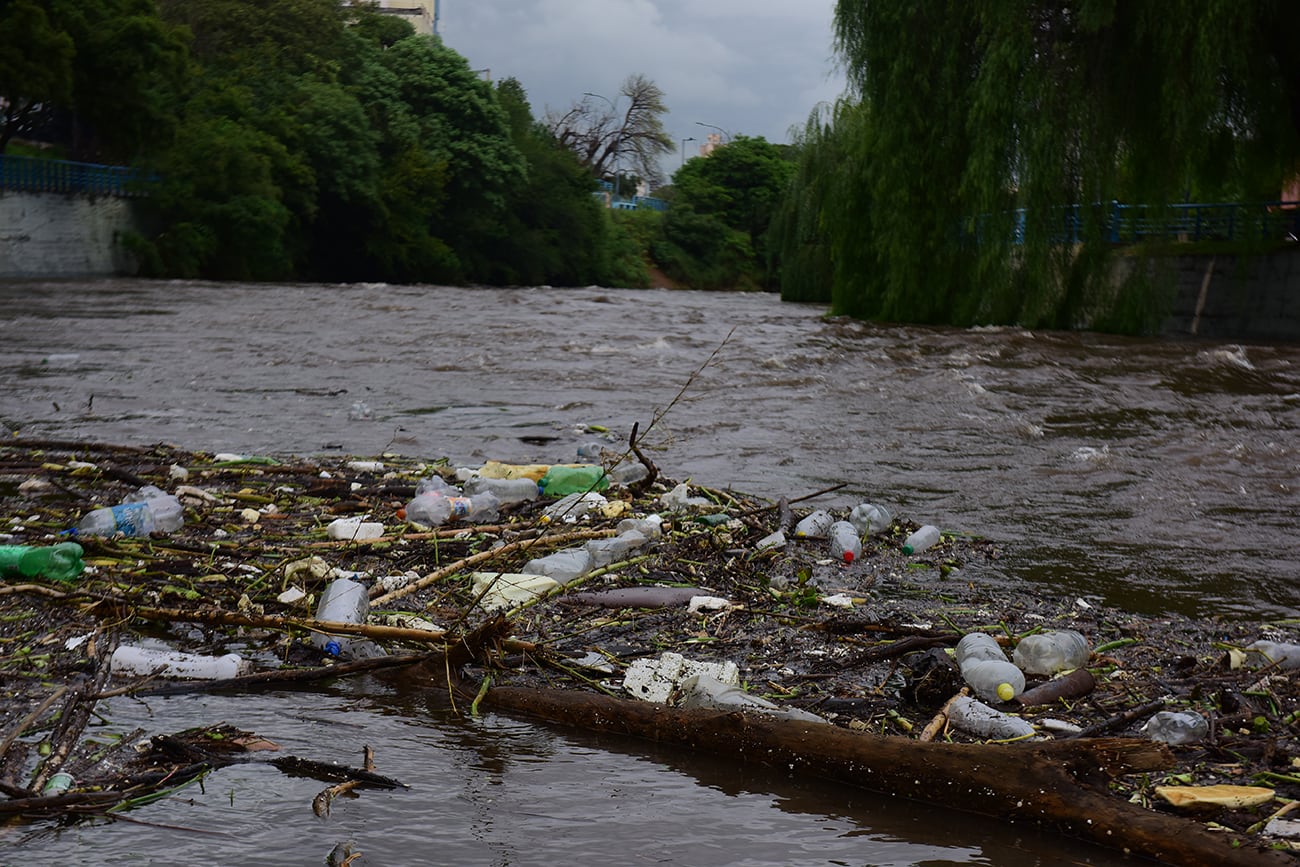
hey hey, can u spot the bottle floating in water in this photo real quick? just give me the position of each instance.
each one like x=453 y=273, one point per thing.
x=817 y=525
x=345 y=601
x=986 y=670
x=870 y=518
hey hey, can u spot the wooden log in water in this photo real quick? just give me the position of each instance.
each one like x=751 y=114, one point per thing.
x=1057 y=785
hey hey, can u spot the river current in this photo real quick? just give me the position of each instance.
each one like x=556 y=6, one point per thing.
x=1152 y=474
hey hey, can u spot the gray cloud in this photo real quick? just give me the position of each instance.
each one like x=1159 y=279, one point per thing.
x=752 y=67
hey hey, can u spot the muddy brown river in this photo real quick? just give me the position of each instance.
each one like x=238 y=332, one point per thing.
x=1151 y=474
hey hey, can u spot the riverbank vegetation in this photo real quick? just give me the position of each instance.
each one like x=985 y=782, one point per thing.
x=313 y=140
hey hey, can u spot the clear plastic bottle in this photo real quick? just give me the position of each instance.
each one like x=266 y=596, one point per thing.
x=651 y=526
x=563 y=566
x=922 y=539
x=1264 y=652
x=870 y=518
x=1177 y=727
x=591 y=451
x=148 y=510
x=507 y=491
x=571 y=507
x=436 y=485
x=606 y=551
x=979 y=719
x=1050 y=652
x=845 y=542
x=345 y=601
x=817 y=524
x=628 y=473
x=560 y=481
x=61 y=562
x=986 y=670
x=434 y=509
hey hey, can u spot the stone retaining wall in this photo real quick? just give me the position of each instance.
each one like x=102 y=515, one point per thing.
x=59 y=235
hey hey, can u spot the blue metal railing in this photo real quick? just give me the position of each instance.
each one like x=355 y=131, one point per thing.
x=31 y=174
x=1185 y=222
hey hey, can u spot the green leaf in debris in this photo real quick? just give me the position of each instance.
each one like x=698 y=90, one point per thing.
x=183 y=592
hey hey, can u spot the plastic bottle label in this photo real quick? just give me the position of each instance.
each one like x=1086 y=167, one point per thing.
x=132 y=518
x=460 y=507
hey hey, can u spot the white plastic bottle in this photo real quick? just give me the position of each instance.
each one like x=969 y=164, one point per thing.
x=606 y=551
x=845 y=543
x=129 y=659
x=922 y=539
x=627 y=473
x=507 y=491
x=651 y=526
x=817 y=524
x=1049 y=652
x=870 y=518
x=345 y=601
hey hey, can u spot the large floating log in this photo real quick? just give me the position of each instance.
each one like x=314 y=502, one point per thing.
x=1058 y=786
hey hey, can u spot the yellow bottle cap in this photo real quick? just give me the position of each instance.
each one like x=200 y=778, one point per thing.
x=1006 y=691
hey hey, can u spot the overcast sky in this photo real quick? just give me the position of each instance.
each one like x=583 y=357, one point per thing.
x=752 y=67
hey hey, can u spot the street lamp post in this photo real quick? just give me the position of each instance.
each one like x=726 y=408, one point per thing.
x=614 y=108
x=684 y=141
x=718 y=128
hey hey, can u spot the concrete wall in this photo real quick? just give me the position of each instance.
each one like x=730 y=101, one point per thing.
x=57 y=235
x=1245 y=297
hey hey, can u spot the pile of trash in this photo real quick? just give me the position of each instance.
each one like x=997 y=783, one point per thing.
x=135 y=569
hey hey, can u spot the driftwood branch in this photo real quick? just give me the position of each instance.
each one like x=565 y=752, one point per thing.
x=1058 y=785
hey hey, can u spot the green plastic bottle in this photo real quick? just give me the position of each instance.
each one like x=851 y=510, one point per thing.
x=61 y=562
x=562 y=481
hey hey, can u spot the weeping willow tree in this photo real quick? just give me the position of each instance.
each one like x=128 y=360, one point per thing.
x=975 y=123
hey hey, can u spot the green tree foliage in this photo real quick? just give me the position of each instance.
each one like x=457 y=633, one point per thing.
x=108 y=68
x=977 y=108
x=715 y=234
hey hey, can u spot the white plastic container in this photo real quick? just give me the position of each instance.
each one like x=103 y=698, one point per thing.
x=354 y=530
x=704 y=691
x=870 y=518
x=651 y=526
x=922 y=539
x=846 y=545
x=571 y=507
x=130 y=659
x=817 y=525
x=1047 y=653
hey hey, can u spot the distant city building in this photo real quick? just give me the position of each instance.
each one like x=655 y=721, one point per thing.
x=712 y=142
x=423 y=14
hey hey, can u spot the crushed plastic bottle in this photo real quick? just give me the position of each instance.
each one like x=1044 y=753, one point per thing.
x=704 y=691
x=571 y=507
x=817 y=524
x=651 y=526
x=61 y=562
x=345 y=601
x=628 y=473
x=986 y=670
x=1177 y=727
x=983 y=721
x=870 y=518
x=845 y=543
x=561 y=480
x=1050 y=652
x=922 y=539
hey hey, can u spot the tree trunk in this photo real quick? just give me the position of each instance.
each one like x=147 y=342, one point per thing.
x=1057 y=785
